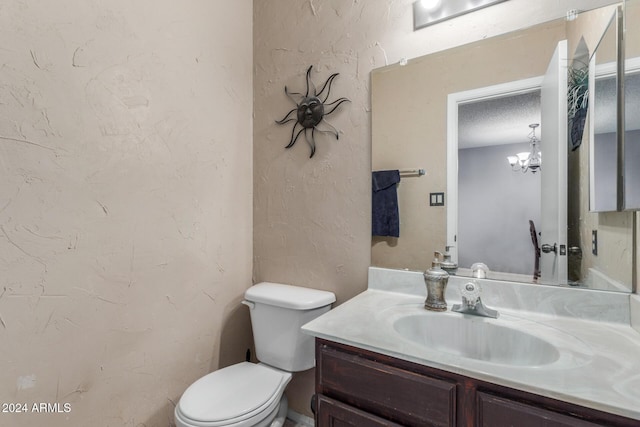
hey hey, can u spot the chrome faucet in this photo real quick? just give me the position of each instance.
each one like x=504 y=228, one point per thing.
x=471 y=302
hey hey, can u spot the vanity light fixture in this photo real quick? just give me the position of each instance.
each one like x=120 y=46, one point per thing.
x=530 y=160
x=430 y=5
x=427 y=12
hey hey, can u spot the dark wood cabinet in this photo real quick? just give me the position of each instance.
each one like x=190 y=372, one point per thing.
x=355 y=387
x=397 y=394
x=336 y=414
x=502 y=411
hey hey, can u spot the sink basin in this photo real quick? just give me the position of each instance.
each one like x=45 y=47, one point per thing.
x=479 y=338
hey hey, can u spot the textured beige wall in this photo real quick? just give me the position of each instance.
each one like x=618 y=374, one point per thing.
x=125 y=204
x=312 y=221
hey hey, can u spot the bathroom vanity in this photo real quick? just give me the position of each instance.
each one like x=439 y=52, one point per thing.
x=572 y=362
x=363 y=388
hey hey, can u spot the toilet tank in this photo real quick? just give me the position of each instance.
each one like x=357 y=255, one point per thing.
x=277 y=313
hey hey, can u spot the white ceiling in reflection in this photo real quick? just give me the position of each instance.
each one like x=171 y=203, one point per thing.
x=506 y=120
x=632 y=96
x=605 y=113
x=605 y=101
x=497 y=121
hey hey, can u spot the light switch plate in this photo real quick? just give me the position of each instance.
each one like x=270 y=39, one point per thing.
x=436 y=199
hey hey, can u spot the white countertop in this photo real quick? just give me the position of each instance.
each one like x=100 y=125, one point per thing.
x=600 y=366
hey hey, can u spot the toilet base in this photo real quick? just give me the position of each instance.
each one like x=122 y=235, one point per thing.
x=276 y=418
x=281 y=416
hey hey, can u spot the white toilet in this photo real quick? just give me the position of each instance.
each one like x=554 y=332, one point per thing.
x=252 y=394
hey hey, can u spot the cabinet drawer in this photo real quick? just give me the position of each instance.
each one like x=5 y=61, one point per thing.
x=499 y=411
x=332 y=413
x=391 y=392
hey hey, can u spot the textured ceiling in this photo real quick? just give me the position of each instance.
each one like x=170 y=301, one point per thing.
x=497 y=121
x=506 y=120
x=632 y=101
x=605 y=119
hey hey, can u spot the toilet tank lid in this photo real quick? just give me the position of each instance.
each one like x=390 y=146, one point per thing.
x=288 y=296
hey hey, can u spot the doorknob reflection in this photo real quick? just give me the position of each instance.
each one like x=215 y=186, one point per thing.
x=547 y=248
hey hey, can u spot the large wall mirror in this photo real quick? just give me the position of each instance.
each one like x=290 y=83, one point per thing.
x=498 y=95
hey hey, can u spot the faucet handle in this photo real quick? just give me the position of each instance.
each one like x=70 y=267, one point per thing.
x=470 y=292
x=471 y=303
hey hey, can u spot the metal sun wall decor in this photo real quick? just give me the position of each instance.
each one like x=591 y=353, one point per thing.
x=310 y=111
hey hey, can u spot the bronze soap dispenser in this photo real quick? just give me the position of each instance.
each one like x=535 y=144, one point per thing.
x=436 y=280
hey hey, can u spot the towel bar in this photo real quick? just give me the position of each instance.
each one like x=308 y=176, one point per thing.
x=418 y=172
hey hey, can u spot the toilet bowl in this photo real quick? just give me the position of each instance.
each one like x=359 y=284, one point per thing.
x=241 y=395
x=252 y=394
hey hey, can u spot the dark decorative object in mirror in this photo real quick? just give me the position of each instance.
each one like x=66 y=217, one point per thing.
x=577 y=103
x=310 y=111
x=536 y=248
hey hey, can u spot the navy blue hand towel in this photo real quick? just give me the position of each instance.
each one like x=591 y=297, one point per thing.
x=385 y=219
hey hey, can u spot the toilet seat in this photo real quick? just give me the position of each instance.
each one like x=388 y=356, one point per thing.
x=238 y=395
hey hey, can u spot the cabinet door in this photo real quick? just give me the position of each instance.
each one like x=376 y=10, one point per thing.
x=495 y=411
x=332 y=413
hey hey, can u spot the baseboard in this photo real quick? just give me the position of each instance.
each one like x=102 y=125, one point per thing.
x=299 y=419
